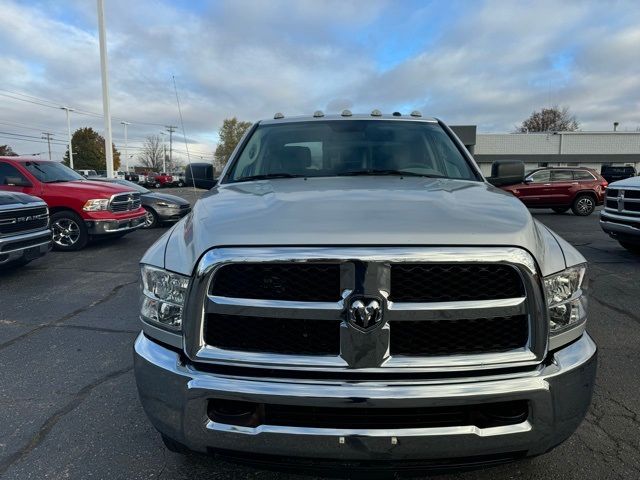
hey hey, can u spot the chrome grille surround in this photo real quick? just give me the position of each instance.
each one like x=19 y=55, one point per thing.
x=368 y=352
x=125 y=202
x=626 y=201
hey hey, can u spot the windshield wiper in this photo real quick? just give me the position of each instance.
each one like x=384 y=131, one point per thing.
x=267 y=176
x=391 y=172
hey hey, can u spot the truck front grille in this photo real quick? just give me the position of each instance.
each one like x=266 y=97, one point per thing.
x=126 y=202
x=301 y=313
x=453 y=282
x=273 y=335
x=23 y=220
x=458 y=337
x=302 y=282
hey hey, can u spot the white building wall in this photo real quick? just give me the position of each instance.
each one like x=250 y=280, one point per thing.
x=516 y=143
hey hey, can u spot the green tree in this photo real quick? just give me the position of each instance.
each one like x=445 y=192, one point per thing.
x=88 y=151
x=7 y=151
x=553 y=119
x=230 y=134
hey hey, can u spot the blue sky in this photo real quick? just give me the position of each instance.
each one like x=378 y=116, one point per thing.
x=488 y=63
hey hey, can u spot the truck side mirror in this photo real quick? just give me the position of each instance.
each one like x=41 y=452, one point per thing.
x=17 y=182
x=506 y=172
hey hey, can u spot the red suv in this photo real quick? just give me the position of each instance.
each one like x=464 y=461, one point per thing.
x=79 y=208
x=561 y=189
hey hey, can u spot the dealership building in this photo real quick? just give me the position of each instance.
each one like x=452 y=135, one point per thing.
x=561 y=149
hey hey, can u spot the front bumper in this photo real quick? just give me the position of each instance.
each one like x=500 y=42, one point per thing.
x=26 y=246
x=621 y=227
x=175 y=396
x=109 y=226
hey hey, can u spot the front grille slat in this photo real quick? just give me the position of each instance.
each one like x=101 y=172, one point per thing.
x=454 y=282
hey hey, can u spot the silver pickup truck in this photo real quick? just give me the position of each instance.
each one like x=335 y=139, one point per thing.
x=354 y=291
x=620 y=217
x=24 y=229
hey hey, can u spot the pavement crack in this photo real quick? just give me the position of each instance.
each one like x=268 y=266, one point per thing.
x=51 y=422
x=112 y=293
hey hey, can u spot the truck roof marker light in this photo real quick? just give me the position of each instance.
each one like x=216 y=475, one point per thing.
x=318 y=114
x=416 y=113
x=346 y=113
x=396 y=114
x=278 y=116
x=376 y=113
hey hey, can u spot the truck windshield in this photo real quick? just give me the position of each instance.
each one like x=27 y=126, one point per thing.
x=349 y=148
x=52 y=172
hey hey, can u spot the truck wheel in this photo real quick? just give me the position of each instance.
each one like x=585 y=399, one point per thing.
x=151 y=219
x=157 y=184
x=632 y=247
x=69 y=231
x=180 y=183
x=583 y=205
x=173 y=446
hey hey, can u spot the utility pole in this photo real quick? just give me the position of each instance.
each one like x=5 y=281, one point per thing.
x=47 y=136
x=126 y=151
x=170 y=129
x=108 y=138
x=67 y=109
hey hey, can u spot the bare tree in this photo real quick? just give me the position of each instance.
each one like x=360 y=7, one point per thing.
x=152 y=152
x=553 y=119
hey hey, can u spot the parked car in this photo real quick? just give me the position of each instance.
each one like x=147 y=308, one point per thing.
x=80 y=209
x=160 y=207
x=620 y=217
x=561 y=189
x=159 y=180
x=200 y=175
x=24 y=225
x=354 y=290
x=132 y=176
x=87 y=173
x=613 y=173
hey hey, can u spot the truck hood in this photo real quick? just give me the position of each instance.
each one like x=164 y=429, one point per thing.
x=17 y=198
x=626 y=183
x=88 y=189
x=356 y=211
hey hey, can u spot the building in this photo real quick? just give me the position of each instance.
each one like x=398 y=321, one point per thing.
x=585 y=149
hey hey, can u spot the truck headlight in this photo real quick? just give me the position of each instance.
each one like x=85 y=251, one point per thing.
x=96 y=205
x=566 y=299
x=163 y=296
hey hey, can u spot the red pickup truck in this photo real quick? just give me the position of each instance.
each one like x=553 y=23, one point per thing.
x=80 y=209
x=159 y=180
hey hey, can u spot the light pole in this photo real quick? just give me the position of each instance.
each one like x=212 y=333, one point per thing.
x=126 y=156
x=108 y=138
x=67 y=109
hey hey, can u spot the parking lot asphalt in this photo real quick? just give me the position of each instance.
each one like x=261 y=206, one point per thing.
x=69 y=406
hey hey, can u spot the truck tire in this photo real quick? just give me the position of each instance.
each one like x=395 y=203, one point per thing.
x=173 y=446
x=583 y=205
x=157 y=184
x=180 y=183
x=560 y=209
x=69 y=233
x=632 y=247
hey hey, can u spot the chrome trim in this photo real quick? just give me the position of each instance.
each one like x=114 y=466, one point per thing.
x=199 y=303
x=562 y=338
x=138 y=200
x=457 y=310
x=122 y=229
x=622 y=200
x=404 y=432
x=170 y=338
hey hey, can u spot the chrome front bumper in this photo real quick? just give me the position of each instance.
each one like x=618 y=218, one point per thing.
x=175 y=396
x=106 y=227
x=27 y=245
x=621 y=227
